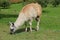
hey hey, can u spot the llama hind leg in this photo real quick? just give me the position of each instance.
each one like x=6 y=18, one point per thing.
x=30 y=23
x=26 y=29
x=38 y=21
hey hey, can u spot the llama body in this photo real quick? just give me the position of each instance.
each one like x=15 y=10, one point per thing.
x=29 y=12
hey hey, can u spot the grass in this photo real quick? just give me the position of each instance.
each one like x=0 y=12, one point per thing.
x=49 y=26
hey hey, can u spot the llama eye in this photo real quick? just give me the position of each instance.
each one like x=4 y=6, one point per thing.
x=11 y=29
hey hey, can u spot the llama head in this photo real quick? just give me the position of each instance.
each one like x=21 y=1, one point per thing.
x=12 y=28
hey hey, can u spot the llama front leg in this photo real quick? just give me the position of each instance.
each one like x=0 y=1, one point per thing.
x=25 y=26
x=38 y=24
x=30 y=23
x=38 y=21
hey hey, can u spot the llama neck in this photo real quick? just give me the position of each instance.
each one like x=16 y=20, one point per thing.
x=20 y=20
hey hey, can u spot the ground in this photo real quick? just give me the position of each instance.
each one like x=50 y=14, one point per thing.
x=49 y=25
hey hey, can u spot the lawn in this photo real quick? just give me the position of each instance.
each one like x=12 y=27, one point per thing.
x=49 y=25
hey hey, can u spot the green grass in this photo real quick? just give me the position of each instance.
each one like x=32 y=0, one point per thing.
x=49 y=25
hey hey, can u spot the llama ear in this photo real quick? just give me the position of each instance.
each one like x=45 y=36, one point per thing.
x=13 y=24
x=10 y=22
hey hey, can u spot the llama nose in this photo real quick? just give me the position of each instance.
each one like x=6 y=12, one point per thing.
x=12 y=32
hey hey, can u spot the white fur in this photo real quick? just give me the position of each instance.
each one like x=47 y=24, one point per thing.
x=20 y=20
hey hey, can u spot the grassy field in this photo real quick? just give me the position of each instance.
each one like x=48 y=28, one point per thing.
x=49 y=26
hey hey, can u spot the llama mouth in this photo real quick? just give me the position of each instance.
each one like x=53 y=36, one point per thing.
x=12 y=32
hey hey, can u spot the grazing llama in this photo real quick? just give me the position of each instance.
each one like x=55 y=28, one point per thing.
x=28 y=13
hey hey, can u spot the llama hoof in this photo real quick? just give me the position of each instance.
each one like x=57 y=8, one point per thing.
x=25 y=31
x=30 y=30
x=37 y=29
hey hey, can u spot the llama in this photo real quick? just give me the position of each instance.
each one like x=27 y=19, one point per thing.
x=28 y=13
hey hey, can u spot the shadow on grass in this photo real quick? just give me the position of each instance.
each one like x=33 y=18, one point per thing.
x=44 y=11
x=7 y=16
x=23 y=30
